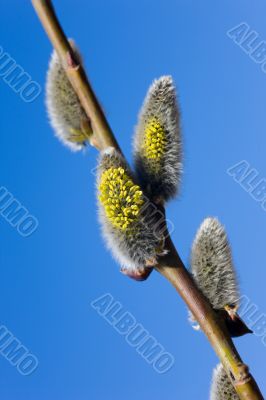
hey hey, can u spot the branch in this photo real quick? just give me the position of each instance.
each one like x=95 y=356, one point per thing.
x=173 y=269
x=170 y=266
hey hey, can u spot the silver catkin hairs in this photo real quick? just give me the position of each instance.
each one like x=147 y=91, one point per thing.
x=222 y=388
x=126 y=216
x=66 y=115
x=157 y=142
x=212 y=265
x=213 y=271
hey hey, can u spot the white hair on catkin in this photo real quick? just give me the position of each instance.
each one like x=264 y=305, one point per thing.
x=126 y=218
x=63 y=106
x=222 y=388
x=157 y=141
x=212 y=265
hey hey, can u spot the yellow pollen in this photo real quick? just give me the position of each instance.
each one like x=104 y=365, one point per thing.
x=154 y=140
x=120 y=197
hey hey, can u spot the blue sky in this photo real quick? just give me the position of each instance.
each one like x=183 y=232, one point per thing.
x=49 y=279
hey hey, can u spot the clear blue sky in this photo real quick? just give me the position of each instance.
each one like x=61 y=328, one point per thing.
x=49 y=279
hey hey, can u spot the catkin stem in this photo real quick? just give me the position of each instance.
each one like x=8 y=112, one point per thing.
x=171 y=266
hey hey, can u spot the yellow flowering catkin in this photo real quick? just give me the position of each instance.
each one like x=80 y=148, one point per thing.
x=154 y=142
x=128 y=219
x=120 y=197
x=157 y=142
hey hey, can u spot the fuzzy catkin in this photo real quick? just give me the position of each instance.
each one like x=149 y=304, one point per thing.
x=157 y=142
x=65 y=112
x=127 y=218
x=222 y=388
x=212 y=265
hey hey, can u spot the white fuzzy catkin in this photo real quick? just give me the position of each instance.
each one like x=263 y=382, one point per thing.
x=212 y=265
x=157 y=141
x=64 y=109
x=222 y=388
x=127 y=218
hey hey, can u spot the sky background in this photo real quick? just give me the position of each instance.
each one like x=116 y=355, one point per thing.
x=49 y=279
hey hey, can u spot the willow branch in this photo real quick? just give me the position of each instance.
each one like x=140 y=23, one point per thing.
x=171 y=266
x=173 y=269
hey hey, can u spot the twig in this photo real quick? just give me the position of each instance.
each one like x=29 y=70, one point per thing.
x=173 y=269
x=171 y=266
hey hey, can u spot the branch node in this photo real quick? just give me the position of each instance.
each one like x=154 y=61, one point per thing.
x=244 y=375
x=71 y=61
